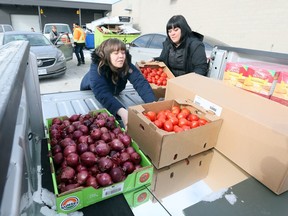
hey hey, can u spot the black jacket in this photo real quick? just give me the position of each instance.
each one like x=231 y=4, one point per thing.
x=195 y=59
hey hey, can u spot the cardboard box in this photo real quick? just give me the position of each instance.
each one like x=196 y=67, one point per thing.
x=254 y=133
x=165 y=148
x=80 y=197
x=159 y=91
x=182 y=174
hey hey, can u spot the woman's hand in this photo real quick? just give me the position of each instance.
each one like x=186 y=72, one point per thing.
x=123 y=113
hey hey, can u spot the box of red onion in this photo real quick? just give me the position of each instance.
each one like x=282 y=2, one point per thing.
x=92 y=159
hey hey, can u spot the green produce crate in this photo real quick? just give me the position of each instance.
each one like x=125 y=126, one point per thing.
x=80 y=197
x=138 y=196
x=99 y=37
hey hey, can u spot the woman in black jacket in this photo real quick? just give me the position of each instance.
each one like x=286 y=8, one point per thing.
x=183 y=50
x=110 y=70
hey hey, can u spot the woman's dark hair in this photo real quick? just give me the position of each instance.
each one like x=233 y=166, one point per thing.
x=179 y=21
x=104 y=50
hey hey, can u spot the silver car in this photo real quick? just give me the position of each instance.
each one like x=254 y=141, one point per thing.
x=147 y=46
x=51 y=61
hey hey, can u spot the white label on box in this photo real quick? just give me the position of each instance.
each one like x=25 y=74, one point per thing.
x=114 y=189
x=42 y=71
x=208 y=105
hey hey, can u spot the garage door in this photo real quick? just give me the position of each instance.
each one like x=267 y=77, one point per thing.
x=25 y=22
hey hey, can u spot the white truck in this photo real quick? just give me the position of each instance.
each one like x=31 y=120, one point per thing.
x=25 y=175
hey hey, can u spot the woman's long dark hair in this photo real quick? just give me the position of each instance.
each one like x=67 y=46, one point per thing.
x=179 y=21
x=104 y=50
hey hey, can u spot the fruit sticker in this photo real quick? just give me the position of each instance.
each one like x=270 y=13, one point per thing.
x=69 y=203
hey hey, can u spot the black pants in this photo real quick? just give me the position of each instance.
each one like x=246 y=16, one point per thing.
x=79 y=52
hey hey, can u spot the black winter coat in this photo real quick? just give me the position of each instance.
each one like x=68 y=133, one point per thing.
x=195 y=59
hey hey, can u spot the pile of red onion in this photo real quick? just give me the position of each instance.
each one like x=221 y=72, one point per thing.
x=91 y=150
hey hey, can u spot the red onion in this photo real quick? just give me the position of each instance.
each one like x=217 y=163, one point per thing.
x=76 y=124
x=96 y=134
x=58 y=158
x=74 y=118
x=88 y=158
x=106 y=137
x=92 y=148
x=124 y=156
x=130 y=150
x=80 y=168
x=117 y=174
x=104 y=179
x=66 y=122
x=83 y=139
x=105 y=164
x=110 y=125
x=128 y=167
x=104 y=129
x=67 y=141
x=102 y=149
x=82 y=147
x=83 y=128
x=69 y=149
x=77 y=134
x=91 y=181
x=67 y=173
x=56 y=149
x=69 y=187
x=55 y=134
x=54 y=126
x=125 y=139
x=94 y=170
x=100 y=122
x=72 y=159
x=70 y=129
x=87 y=122
x=82 y=177
x=117 y=130
x=135 y=158
x=90 y=140
x=56 y=121
x=53 y=141
x=117 y=145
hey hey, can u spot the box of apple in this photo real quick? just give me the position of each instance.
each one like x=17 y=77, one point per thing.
x=157 y=74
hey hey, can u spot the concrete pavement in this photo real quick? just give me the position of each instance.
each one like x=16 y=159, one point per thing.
x=70 y=81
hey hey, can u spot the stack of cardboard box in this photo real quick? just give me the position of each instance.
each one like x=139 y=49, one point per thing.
x=254 y=132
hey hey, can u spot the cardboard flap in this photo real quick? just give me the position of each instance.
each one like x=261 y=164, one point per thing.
x=155 y=63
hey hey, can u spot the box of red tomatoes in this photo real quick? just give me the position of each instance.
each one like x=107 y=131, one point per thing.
x=92 y=159
x=172 y=130
x=157 y=74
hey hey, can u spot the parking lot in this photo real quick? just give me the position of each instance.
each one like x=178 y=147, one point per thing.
x=71 y=80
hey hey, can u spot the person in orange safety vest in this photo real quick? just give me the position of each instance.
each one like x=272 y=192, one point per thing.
x=79 y=37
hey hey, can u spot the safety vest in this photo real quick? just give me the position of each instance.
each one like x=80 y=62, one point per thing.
x=79 y=35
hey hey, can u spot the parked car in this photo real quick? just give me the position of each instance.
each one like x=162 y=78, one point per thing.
x=147 y=46
x=5 y=28
x=51 y=60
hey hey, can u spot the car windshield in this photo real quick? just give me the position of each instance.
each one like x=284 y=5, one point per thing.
x=60 y=29
x=34 y=39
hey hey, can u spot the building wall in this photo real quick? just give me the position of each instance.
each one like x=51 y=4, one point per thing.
x=258 y=24
x=50 y=14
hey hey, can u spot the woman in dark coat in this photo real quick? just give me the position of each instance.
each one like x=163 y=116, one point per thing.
x=109 y=72
x=183 y=50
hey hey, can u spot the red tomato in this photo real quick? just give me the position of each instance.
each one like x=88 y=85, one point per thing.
x=182 y=115
x=177 y=129
x=193 y=117
x=185 y=111
x=158 y=123
x=175 y=109
x=185 y=127
x=151 y=115
x=194 y=124
x=183 y=121
x=202 y=121
x=168 y=126
x=161 y=114
x=174 y=120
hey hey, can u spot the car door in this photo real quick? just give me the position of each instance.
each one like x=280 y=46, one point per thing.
x=146 y=47
x=64 y=43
